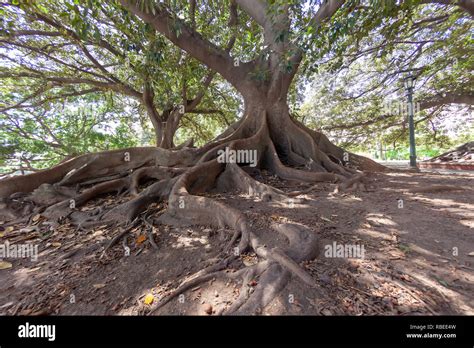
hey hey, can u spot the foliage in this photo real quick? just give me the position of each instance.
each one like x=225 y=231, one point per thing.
x=53 y=50
x=38 y=139
x=358 y=98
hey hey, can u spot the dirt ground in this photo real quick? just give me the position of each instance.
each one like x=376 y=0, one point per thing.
x=416 y=241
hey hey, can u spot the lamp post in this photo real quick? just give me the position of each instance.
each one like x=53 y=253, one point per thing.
x=411 y=125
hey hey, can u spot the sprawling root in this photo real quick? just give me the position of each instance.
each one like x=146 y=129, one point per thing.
x=181 y=177
x=153 y=172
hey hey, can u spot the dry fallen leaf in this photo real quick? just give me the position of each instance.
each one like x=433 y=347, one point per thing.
x=2 y=234
x=9 y=229
x=471 y=253
x=56 y=244
x=253 y=283
x=141 y=238
x=326 y=312
x=5 y=265
x=36 y=217
x=33 y=269
x=98 y=286
x=149 y=299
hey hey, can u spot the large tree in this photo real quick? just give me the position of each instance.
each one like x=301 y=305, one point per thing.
x=257 y=46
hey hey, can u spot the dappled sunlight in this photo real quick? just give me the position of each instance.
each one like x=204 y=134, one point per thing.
x=376 y=234
x=467 y=223
x=344 y=199
x=406 y=265
x=225 y=157
x=450 y=205
x=379 y=219
x=188 y=242
x=417 y=249
x=464 y=303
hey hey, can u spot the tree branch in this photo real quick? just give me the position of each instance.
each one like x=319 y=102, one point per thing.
x=195 y=102
x=448 y=98
x=191 y=41
x=32 y=33
x=326 y=11
x=256 y=9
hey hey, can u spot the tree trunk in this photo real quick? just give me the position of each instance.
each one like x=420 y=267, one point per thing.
x=170 y=126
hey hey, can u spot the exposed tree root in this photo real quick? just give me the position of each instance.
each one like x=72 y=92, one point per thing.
x=273 y=279
x=119 y=236
x=352 y=184
x=202 y=276
x=153 y=172
x=151 y=229
x=289 y=173
x=234 y=177
x=180 y=177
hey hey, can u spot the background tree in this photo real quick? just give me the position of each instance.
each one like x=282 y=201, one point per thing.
x=358 y=90
x=77 y=48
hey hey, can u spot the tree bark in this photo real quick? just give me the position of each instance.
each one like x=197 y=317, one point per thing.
x=170 y=127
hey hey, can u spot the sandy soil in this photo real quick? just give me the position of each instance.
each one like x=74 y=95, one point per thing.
x=416 y=230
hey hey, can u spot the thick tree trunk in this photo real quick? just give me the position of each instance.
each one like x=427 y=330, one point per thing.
x=283 y=146
x=165 y=130
x=153 y=114
x=294 y=143
x=169 y=129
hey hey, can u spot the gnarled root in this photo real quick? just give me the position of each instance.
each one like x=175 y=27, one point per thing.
x=183 y=177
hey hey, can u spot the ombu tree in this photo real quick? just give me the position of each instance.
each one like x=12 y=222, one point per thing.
x=257 y=46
